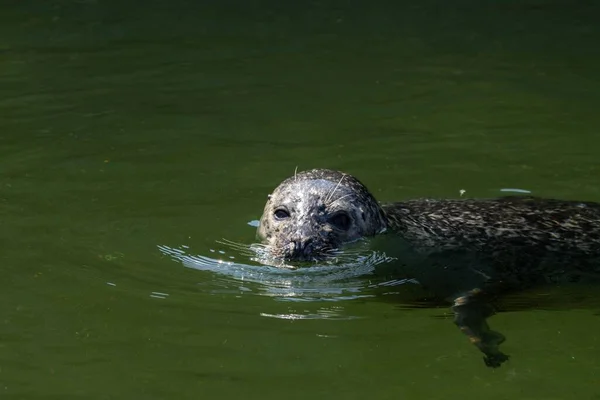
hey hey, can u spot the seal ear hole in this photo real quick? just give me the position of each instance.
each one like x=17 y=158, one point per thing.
x=280 y=213
x=341 y=221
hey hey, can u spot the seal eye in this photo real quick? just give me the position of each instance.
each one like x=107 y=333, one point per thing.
x=280 y=213
x=340 y=221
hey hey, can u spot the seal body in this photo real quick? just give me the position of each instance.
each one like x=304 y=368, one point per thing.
x=520 y=241
x=465 y=250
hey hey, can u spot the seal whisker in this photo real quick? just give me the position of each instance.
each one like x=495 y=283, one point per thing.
x=233 y=244
x=334 y=189
x=338 y=199
x=241 y=248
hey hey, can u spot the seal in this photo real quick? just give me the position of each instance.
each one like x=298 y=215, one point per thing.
x=467 y=251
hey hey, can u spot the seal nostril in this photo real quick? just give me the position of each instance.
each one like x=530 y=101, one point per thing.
x=307 y=246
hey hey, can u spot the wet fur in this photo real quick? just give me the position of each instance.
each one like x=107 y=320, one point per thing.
x=467 y=250
x=519 y=241
x=311 y=197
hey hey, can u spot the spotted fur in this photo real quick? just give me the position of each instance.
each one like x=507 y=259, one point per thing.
x=312 y=198
x=518 y=240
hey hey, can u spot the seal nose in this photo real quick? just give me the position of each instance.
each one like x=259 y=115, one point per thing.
x=300 y=248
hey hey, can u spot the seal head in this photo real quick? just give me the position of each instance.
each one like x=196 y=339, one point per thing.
x=313 y=213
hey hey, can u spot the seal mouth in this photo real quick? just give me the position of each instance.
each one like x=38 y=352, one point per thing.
x=326 y=255
x=309 y=251
x=310 y=256
x=296 y=255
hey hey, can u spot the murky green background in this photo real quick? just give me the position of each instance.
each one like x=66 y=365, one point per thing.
x=125 y=125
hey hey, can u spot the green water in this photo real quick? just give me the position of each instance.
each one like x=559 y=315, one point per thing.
x=129 y=125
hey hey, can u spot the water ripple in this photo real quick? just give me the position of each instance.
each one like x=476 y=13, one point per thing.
x=339 y=282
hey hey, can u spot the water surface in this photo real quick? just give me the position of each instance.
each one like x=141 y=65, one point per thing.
x=126 y=127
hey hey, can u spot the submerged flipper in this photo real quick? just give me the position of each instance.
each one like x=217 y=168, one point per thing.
x=471 y=311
